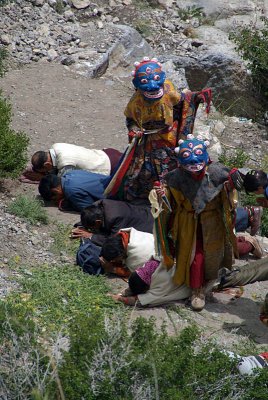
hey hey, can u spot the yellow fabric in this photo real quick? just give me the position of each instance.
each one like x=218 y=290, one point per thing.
x=217 y=234
x=142 y=111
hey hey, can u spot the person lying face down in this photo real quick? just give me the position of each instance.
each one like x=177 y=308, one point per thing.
x=124 y=252
x=64 y=156
x=106 y=217
x=248 y=217
x=75 y=190
x=256 y=181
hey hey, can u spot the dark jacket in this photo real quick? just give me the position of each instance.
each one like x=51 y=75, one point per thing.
x=119 y=215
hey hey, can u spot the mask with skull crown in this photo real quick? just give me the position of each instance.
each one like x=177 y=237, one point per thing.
x=149 y=78
x=192 y=153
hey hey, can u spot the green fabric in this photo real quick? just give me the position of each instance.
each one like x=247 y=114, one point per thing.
x=245 y=275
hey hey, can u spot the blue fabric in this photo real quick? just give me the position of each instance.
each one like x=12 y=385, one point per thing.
x=87 y=257
x=266 y=192
x=81 y=188
x=241 y=221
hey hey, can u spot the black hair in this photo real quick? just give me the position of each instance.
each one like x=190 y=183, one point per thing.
x=136 y=284
x=90 y=214
x=38 y=160
x=255 y=179
x=47 y=183
x=112 y=247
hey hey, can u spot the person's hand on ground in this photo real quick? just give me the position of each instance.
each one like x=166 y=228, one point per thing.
x=115 y=297
x=129 y=301
x=78 y=233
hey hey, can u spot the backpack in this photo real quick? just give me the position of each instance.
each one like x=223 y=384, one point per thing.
x=87 y=257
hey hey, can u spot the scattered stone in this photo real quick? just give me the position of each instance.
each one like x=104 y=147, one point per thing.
x=80 y=4
x=197 y=43
x=69 y=15
x=166 y=3
x=99 y=24
x=39 y=3
x=68 y=60
x=52 y=54
x=5 y=39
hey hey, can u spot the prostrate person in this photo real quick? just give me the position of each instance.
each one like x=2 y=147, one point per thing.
x=156 y=116
x=152 y=285
x=106 y=217
x=248 y=217
x=247 y=244
x=242 y=276
x=75 y=190
x=256 y=181
x=124 y=252
x=64 y=156
x=248 y=365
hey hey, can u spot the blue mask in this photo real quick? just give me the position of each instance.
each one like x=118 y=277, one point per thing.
x=192 y=154
x=149 y=79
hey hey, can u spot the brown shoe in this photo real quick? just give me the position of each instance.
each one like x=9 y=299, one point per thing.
x=255 y=219
x=198 y=299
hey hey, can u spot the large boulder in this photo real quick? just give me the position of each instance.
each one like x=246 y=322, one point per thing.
x=217 y=65
x=231 y=85
x=218 y=9
x=123 y=46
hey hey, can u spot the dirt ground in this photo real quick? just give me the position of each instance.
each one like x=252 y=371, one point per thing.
x=52 y=104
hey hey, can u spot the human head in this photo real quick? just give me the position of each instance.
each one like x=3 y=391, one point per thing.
x=92 y=217
x=41 y=161
x=192 y=154
x=113 y=249
x=149 y=78
x=255 y=181
x=50 y=188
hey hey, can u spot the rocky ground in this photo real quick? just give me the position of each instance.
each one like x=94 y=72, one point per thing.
x=53 y=102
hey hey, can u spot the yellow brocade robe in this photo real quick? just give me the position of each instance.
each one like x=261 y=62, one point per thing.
x=142 y=111
x=216 y=223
